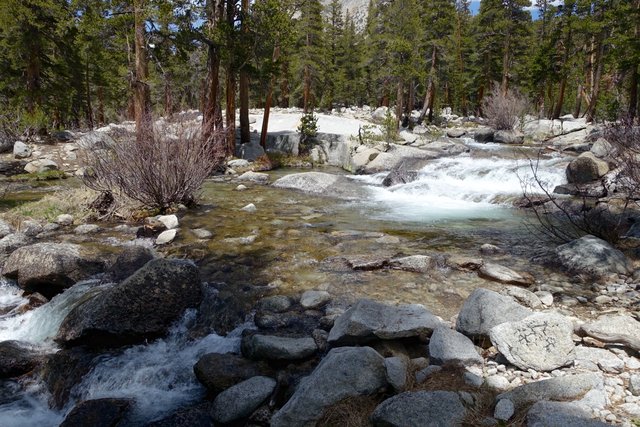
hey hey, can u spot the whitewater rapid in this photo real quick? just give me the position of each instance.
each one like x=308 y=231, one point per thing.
x=464 y=187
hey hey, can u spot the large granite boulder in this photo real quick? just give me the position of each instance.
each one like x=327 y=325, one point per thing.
x=542 y=342
x=586 y=168
x=485 y=309
x=420 y=409
x=141 y=307
x=49 y=268
x=369 y=320
x=344 y=372
x=592 y=256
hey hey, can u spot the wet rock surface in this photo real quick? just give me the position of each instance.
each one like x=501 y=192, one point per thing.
x=141 y=307
x=49 y=268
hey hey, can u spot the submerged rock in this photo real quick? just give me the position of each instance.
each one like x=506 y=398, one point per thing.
x=502 y=274
x=420 y=409
x=49 y=268
x=323 y=184
x=17 y=358
x=63 y=371
x=344 y=372
x=141 y=307
x=97 y=413
x=369 y=320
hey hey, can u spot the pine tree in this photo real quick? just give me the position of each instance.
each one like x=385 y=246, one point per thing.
x=438 y=17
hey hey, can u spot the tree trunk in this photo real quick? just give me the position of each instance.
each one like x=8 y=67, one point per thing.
x=595 y=89
x=211 y=111
x=412 y=98
x=427 y=106
x=100 y=105
x=231 y=113
x=557 y=111
x=578 y=107
x=633 y=94
x=89 y=111
x=506 y=58
x=33 y=71
x=168 y=97
x=245 y=131
x=267 y=106
x=307 y=89
x=141 y=86
x=399 y=100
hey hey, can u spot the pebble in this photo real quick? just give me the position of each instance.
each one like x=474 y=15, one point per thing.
x=241 y=187
x=64 y=219
x=166 y=237
x=249 y=208
x=472 y=379
x=86 y=229
x=603 y=299
x=201 y=233
x=504 y=410
x=497 y=382
x=545 y=297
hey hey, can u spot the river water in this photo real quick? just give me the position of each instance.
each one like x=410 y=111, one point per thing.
x=295 y=242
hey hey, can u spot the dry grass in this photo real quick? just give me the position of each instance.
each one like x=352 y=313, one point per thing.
x=350 y=412
x=76 y=202
x=73 y=201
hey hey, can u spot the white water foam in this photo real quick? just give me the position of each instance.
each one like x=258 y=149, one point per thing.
x=40 y=325
x=463 y=187
x=158 y=376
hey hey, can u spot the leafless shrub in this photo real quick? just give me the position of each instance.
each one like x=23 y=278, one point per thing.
x=159 y=170
x=504 y=111
x=624 y=138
